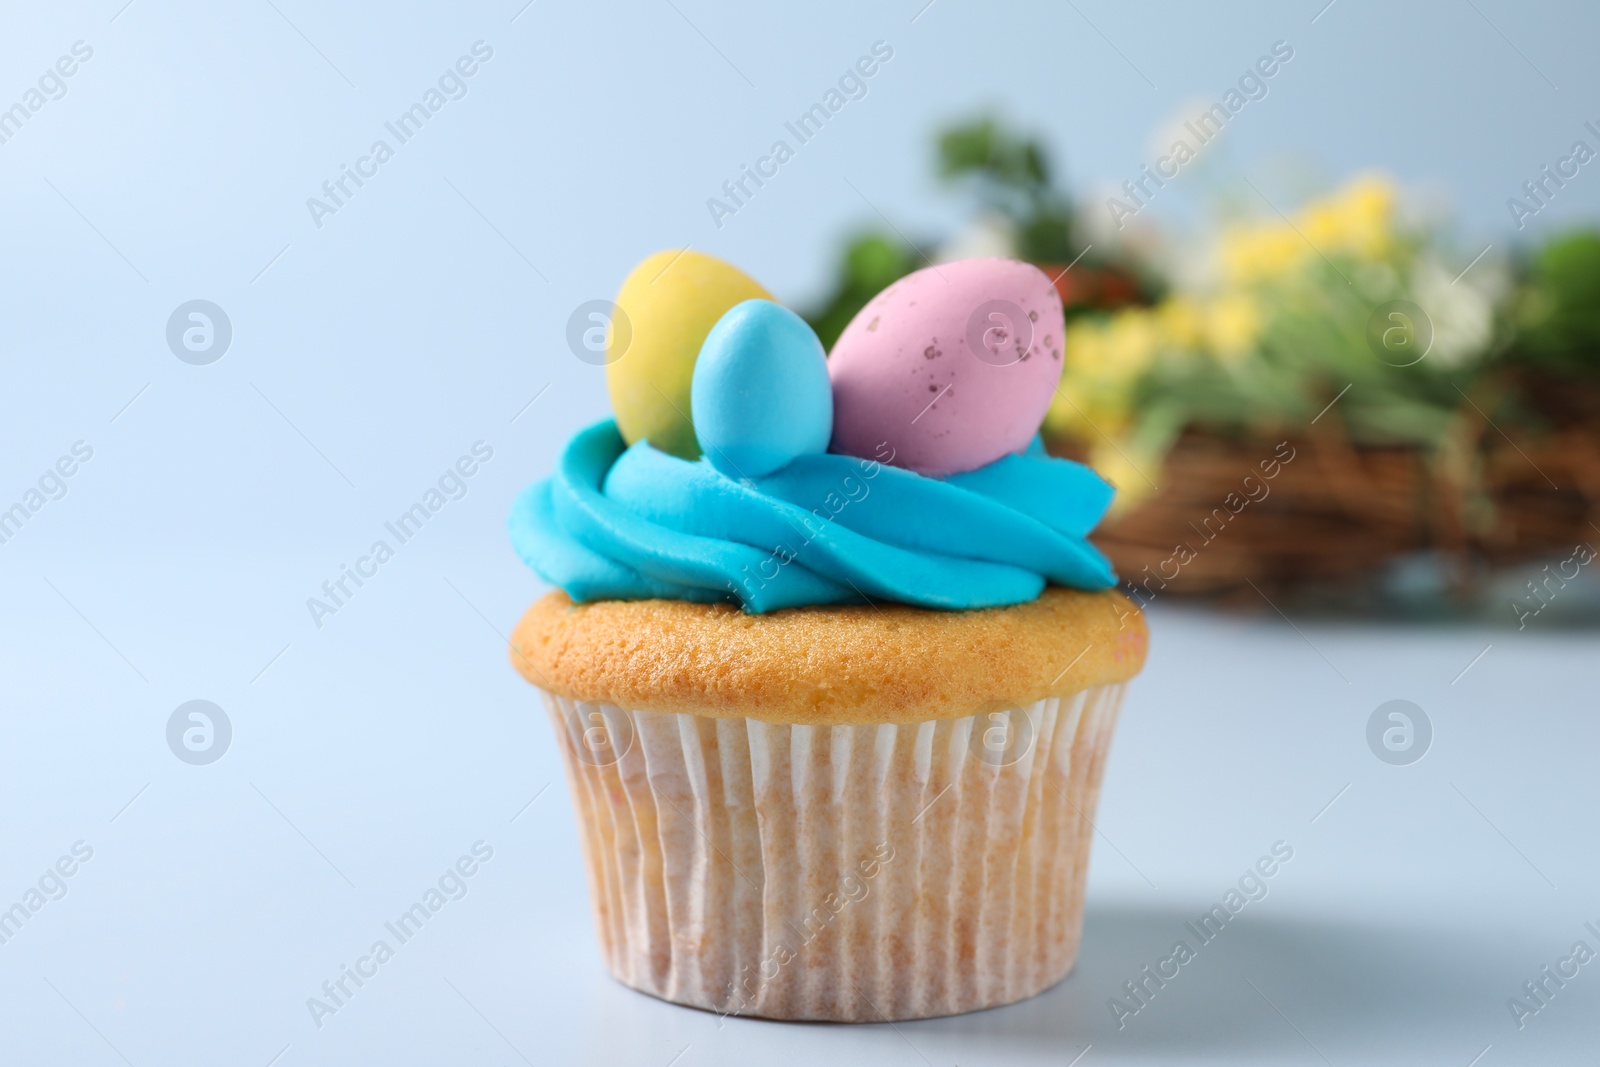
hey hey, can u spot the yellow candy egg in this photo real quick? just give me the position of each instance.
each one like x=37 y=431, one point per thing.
x=671 y=301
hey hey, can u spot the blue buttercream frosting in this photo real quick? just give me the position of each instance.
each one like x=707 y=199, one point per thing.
x=621 y=523
x=629 y=523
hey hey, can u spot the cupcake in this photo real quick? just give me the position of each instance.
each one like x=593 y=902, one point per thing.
x=832 y=664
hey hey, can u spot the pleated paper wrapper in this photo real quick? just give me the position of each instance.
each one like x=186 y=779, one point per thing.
x=846 y=873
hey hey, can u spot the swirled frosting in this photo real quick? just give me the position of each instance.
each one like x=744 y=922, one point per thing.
x=620 y=522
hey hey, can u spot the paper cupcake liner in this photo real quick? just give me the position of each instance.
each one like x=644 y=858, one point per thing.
x=847 y=873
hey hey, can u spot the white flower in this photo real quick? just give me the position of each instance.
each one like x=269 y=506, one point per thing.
x=1462 y=313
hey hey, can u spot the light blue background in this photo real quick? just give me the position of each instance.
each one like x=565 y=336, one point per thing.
x=369 y=354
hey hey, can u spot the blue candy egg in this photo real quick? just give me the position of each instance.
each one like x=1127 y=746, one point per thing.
x=760 y=394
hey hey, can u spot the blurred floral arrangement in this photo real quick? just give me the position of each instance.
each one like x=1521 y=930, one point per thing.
x=1445 y=404
x=1275 y=330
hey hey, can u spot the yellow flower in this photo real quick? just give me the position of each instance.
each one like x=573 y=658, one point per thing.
x=1102 y=362
x=1356 y=220
x=1323 y=222
x=1082 y=350
x=1131 y=343
x=1232 y=325
x=1183 y=321
x=1260 y=252
x=1077 y=414
x=1116 y=351
x=1087 y=410
x=1115 y=463
x=1369 y=207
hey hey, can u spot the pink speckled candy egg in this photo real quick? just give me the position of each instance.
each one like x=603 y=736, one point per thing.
x=952 y=367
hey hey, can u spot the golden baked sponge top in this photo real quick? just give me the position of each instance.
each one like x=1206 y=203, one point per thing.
x=828 y=665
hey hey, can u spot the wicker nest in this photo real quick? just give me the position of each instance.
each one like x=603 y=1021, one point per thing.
x=1333 y=515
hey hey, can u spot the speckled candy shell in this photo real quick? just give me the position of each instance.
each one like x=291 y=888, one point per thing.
x=905 y=372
